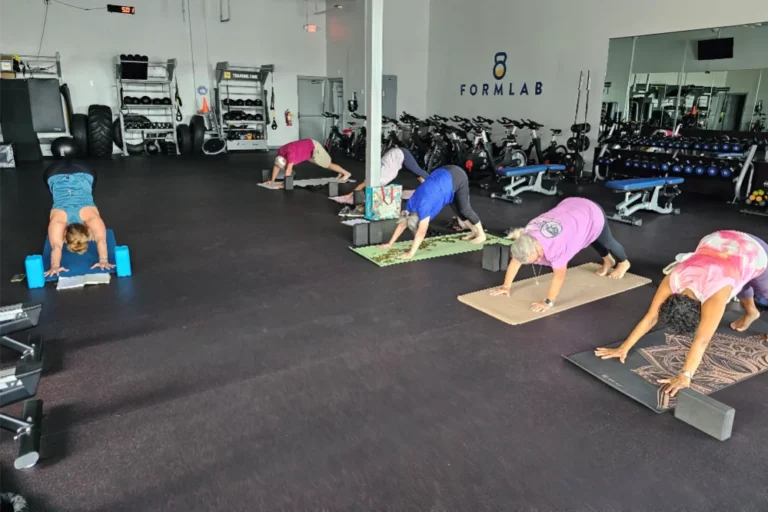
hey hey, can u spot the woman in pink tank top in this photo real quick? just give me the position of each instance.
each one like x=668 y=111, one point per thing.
x=693 y=296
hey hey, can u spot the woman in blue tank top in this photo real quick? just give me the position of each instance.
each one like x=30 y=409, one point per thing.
x=74 y=219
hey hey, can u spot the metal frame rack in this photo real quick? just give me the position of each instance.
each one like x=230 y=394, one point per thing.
x=235 y=83
x=39 y=66
x=158 y=84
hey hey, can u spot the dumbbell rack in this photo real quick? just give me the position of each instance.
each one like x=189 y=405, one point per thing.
x=235 y=83
x=159 y=84
x=740 y=167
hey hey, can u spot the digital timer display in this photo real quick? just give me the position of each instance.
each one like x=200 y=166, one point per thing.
x=121 y=9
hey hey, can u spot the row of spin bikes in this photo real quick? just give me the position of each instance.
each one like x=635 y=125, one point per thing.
x=438 y=141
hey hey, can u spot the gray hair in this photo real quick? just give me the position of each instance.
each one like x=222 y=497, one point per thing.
x=411 y=219
x=523 y=246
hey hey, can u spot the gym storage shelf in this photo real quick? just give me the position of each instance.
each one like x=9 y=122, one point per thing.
x=159 y=84
x=242 y=83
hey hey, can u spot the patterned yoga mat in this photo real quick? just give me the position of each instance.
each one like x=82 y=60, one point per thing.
x=433 y=247
x=731 y=357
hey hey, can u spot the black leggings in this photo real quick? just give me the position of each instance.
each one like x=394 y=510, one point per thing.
x=460 y=205
x=67 y=167
x=606 y=244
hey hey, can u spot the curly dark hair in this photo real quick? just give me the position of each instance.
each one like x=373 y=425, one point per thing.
x=680 y=314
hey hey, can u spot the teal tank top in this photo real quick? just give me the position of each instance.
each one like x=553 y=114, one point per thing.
x=71 y=193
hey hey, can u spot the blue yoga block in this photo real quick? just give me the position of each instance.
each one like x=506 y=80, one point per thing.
x=123 y=261
x=35 y=272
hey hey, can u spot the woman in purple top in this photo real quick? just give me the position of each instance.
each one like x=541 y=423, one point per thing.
x=555 y=237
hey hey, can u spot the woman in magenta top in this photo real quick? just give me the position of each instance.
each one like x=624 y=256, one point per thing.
x=693 y=296
x=555 y=237
x=305 y=150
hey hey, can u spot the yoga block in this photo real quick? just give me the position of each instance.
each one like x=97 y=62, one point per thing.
x=288 y=182
x=35 y=273
x=333 y=189
x=123 y=261
x=705 y=413
x=492 y=257
x=358 y=197
x=360 y=235
x=266 y=174
x=381 y=231
x=504 y=258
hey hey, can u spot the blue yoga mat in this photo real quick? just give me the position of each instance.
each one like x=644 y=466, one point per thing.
x=80 y=264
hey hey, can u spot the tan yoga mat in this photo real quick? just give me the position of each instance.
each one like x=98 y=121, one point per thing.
x=581 y=286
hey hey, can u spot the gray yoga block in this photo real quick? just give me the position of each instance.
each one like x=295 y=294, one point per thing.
x=359 y=197
x=360 y=235
x=333 y=189
x=504 y=258
x=289 y=182
x=381 y=231
x=492 y=257
x=265 y=175
x=705 y=413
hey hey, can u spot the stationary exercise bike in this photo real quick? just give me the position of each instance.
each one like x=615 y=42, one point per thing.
x=356 y=147
x=335 y=140
x=553 y=154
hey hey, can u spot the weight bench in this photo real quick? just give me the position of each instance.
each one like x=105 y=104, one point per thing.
x=529 y=178
x=644 y=194
x=20 y=383
x=18 y=317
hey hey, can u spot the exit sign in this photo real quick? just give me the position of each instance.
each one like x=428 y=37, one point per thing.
x=121 y=9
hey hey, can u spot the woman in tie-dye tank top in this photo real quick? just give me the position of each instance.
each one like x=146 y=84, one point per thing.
x=693 y=296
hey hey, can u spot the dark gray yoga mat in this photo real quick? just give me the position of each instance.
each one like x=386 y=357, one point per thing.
x=730 y=358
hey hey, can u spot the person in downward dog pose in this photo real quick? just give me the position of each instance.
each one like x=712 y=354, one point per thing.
x=391 y=163
x=692 y=297
x=304 y=150
x=446 y=185
x=74 y=218
x=555 y=237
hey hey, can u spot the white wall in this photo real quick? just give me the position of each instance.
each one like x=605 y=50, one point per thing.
x=260 y=32
x=406 y=45
x=549 y=41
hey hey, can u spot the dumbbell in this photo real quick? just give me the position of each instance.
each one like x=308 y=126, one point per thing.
x=699 y=168
x=688 y=167
x=726 y=172
x=654 y=165
x=676 y=167
x=644 y=164
x=665 y=166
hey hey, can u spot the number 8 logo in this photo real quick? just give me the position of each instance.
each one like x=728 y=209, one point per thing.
x=500 y=65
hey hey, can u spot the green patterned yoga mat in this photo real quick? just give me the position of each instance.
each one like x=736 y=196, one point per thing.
x=433 y=247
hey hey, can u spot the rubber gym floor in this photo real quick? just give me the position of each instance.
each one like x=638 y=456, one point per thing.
x=254 y=363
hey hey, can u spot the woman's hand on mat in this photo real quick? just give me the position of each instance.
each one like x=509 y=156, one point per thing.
x=406 y=255
x=103 y=265
x=540 y=307
x=612 y=353
x=675 y=384
x=385 y=246
x=500 y=291
x=54 y=271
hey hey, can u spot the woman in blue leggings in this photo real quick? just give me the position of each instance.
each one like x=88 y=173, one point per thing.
x=74 y=218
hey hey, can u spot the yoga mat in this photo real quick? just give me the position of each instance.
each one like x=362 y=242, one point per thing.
x=80 y=265
x=731 y=357
x=434 y=247
x=581 y=287
x=347 y=199
x=318 y=182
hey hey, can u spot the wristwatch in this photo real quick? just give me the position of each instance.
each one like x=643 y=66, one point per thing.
x=686 y=374
x=549 y=302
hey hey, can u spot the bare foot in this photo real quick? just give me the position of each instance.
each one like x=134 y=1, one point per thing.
x=620 y=270
x=478 y=239
x=469 y=237
x=608 y=263
x=743 y=323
